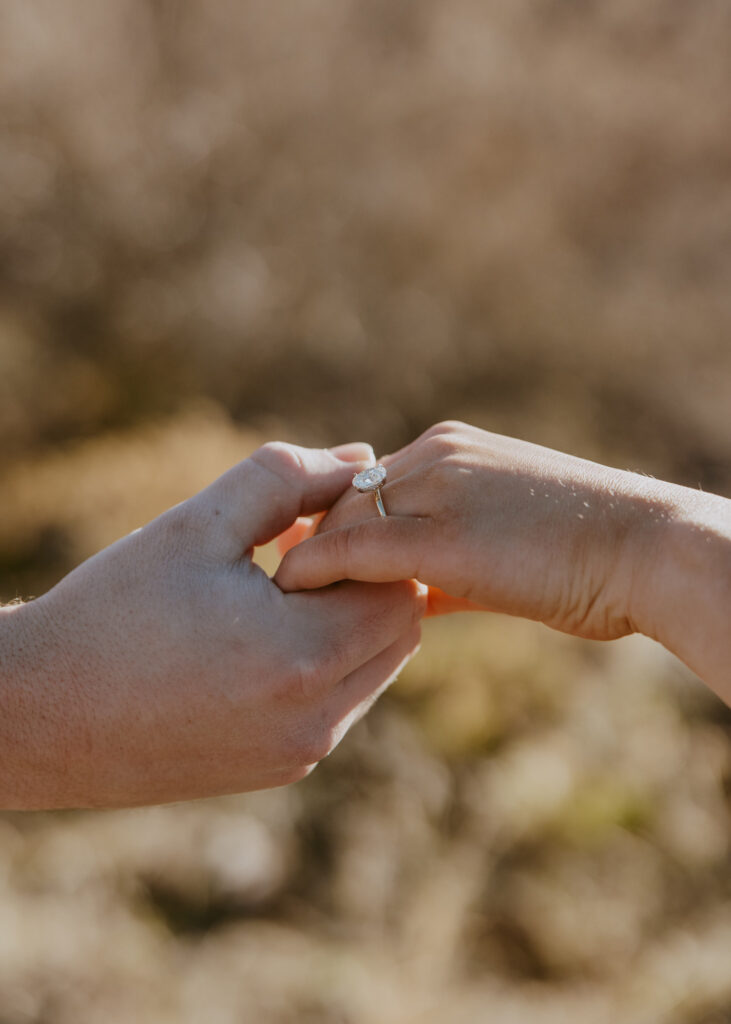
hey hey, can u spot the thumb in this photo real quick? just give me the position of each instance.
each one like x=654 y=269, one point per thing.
x=267 y=492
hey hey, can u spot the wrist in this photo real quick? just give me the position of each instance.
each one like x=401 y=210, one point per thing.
x=682 y=596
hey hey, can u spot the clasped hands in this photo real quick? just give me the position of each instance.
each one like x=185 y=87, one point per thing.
x=170 y=666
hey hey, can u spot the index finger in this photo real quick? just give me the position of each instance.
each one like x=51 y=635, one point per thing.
x=342 y=628
x=379 y=550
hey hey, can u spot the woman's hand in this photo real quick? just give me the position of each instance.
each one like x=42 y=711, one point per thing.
x=517 y=528
x=503 y=524
x=169 y=666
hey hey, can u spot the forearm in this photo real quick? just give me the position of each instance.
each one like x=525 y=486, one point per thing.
x=683 y=593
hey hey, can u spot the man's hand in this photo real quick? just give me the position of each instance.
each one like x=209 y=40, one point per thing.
x=169 y=666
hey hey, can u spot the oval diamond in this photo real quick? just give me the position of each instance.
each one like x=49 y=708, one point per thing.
x=369 y=479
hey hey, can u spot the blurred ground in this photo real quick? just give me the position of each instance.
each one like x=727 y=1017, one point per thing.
x=227 y=222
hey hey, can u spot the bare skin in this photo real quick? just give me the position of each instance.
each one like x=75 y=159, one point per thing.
x=495 y=523
x=169 y=666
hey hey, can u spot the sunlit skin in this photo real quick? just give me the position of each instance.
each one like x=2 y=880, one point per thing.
x=437 y=602
x=170 y=666
x=495 y=523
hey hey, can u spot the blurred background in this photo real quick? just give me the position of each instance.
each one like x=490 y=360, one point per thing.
x=227 y=222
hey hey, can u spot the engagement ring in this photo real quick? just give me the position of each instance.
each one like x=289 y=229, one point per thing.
x=369 y=481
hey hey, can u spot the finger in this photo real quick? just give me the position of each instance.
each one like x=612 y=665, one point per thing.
x=376 y=550
x=341 y=628
x=406 y=492
x=441 y=603
x=359 y=691
x=352 y=698
x=299 y=530
x=412 y=453
x=355 y=451
x=267 y=492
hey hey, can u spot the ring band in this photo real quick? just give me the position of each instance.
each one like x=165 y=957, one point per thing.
x=369 y=481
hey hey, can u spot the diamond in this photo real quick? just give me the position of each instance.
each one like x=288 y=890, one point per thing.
x=369 y=479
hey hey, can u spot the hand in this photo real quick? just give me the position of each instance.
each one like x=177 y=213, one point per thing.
x=437 y=602
x=509 y=526
x=169 y=666
x=500 y=524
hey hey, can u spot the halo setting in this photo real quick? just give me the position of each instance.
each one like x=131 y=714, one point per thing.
x=370 y=479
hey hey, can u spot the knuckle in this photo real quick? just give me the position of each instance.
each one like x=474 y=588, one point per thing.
x=442 y=446
x=445 y=428
x=309 y=677
x=452 y=427
x=344 y=547
x=339 y=545
x=277 y=457
x=313 y=742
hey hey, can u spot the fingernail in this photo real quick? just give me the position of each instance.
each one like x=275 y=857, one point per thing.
x=356 y=451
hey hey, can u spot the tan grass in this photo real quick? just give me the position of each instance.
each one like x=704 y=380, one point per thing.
x=350 y=218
